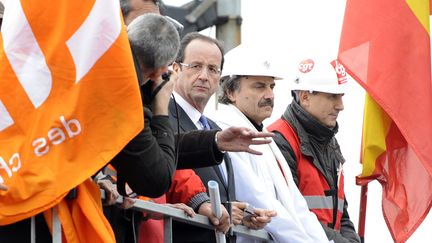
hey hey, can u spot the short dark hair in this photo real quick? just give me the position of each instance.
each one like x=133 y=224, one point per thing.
x=228 y=85
x=189 y=37
x=126 y=7
x=1 y=11
x=154 y=40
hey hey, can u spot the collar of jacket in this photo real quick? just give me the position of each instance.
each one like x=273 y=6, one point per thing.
x=316 y=141
x=258 y=127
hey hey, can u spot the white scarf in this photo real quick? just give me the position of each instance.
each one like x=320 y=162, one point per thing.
x=281 y=176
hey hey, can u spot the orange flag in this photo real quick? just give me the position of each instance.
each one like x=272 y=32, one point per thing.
x=69 y=100
x=385 y=46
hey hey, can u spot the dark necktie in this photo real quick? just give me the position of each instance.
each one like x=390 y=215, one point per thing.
x=204 y=122
x=206 y=126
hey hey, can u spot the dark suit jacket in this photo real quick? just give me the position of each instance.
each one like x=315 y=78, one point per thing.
x=188 y=233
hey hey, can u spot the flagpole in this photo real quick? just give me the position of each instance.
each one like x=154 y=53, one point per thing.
x=362 y=212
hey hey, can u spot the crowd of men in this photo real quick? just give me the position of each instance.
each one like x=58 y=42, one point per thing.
x=292 y=186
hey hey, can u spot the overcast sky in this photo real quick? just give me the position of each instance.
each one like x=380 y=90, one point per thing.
x=313 y=26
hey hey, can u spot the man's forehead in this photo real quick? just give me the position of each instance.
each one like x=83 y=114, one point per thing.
x=197 y=45
x=196 y=52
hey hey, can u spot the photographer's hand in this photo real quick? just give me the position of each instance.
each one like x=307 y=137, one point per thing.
x=162 y=98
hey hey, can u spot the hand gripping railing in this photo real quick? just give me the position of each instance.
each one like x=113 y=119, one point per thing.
x=170 y=213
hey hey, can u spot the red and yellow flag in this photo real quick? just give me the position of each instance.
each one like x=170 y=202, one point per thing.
x=385 y=46
x=69 y=99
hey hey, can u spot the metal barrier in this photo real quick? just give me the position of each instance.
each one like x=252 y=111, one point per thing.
x=170 y=214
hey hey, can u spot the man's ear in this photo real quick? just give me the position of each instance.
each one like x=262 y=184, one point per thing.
x=176 y=67
x=304 y=97
x=231 y=96
x=156 y=74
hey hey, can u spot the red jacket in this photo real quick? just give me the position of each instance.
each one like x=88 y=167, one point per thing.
x=312 y=184
x=185 y=187
x=186 y=184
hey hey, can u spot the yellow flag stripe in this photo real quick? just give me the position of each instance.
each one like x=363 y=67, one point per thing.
x=421 y=9
x=376 y=125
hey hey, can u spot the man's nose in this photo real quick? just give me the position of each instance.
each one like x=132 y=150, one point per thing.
x=339 y=103
x=269 y=94
x=204 y=73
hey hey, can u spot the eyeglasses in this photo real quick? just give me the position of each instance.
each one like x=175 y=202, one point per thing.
x=198 y=67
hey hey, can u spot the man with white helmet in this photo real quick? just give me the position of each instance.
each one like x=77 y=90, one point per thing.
x=263 y=181
x=306 y=136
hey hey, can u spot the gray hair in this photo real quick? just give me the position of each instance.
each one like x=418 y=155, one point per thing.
x=154 y=40
x=228 y=85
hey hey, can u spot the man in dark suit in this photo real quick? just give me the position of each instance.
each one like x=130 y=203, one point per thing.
x=197 y=67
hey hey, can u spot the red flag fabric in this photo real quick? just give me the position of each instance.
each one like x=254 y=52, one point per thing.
x=69 y=102
x=385 y=46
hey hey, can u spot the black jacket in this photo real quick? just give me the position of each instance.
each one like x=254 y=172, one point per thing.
x=189 y=233
x=147 y=163
x=318 y=142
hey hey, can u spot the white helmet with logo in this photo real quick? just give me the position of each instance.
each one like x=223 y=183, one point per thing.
x=320 y=75
x=248 y=61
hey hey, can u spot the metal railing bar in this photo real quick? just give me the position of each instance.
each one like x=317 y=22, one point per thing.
x=176 y=214
x=160 y=210
x=198 y=220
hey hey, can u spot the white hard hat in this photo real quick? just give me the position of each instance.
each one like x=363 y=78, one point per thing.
x=320 y=75
x=248 y=61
